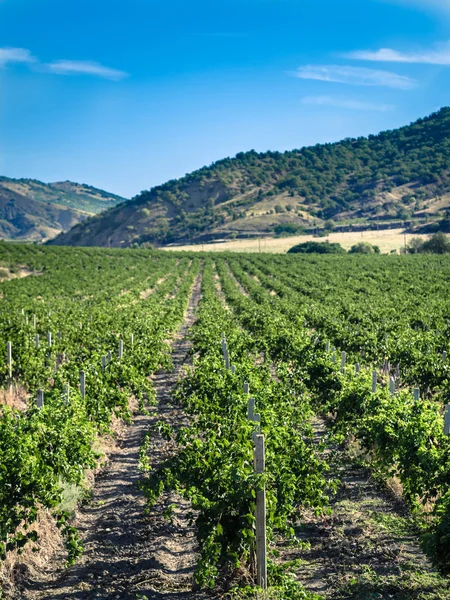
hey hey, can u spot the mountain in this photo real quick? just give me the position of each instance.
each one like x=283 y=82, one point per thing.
x=35 y=211
x=395 y=176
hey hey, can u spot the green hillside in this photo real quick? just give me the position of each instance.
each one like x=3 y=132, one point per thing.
x=393 y=177
x=36 y=211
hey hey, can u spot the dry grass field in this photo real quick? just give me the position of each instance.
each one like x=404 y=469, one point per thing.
x=387 y=240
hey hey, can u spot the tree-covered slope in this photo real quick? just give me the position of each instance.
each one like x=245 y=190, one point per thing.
x=32 y=210
x=402 y=174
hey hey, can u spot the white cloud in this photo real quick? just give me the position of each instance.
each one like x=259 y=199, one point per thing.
x=345 y=103
x=79 y=67
x=439 y=55
x=354 y=76
x=16 y=55
x=59 y=67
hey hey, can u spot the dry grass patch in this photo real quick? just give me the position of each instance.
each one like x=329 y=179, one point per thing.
x=15 y=397
x=34 y=556
x=387 y=240
x=8 y=273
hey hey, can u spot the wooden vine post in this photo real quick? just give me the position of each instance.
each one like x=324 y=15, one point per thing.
x=261 y=538
x=374 y=382
x=226 y=356
x=40 y=398
x=83 y=384
x=343 y=361
x=416 y=393
x=9 y=360
x=103 y=362
x=259 y=462
x=120 y=348
x=392 y=386
x=36 y=340
x=447 y=420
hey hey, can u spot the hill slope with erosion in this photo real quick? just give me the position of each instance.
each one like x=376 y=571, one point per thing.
x=385 y=179
x=34 y=211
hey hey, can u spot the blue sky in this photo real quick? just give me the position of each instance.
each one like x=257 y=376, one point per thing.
x=126 y=95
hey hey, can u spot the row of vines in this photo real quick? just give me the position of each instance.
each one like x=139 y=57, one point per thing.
x=280 y=316
x=285 y=319
x=88 y=300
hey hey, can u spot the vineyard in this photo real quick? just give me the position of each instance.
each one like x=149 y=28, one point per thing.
x=224 y=425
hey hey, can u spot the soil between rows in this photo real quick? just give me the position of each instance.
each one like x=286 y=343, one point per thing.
x=130 y=554
x=367 y=547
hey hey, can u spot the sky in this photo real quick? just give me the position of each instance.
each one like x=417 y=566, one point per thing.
x=127 y=95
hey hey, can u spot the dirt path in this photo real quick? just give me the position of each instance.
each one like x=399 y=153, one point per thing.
x=128 y=554
x=367 y=548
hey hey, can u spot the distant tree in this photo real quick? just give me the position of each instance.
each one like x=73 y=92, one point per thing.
x=286 y=228
x=437 y=244
x=317 y=247
x=363 y=248
x=329 y=225
x=403 y=213
x=414 y=245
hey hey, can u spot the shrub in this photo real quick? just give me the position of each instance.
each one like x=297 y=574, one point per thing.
x=437 y=243
x=286 y=228
x=363 y=248
x=317 y=247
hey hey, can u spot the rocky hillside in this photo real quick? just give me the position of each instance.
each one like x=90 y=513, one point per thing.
x=36 y=211
x=395 y=176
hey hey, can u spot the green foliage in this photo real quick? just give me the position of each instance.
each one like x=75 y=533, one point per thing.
x=375 y=319
x=317 y=248
x=88 y=299
x=364 y=248
x=289 y=228
x=388 y=312
x=437 y=243
x=213 y=467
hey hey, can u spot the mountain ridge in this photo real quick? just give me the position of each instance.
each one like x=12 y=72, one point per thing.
x=31 y=210
x=401 y=174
